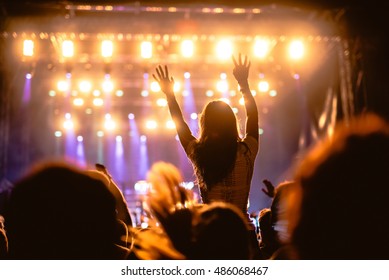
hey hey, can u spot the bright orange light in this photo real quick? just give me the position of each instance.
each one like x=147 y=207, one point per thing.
x=273 y=93
x=28 y=48
x=263 y=86
x=67 y=48
x=222 y=86
x=177 y=86
x=296 y=50
x=170 y=125
x=224 y=49
x=154 y=86
x=98 y=102
x=107 y=86
x=151 y=124
x=161 y=102
x=106 y=48
x=261 y=48
x=68 y=124
x=78 y=102
x=187 y=48
x=63 y=86
x=85 y=86
x=146 y=50
x=109 y=124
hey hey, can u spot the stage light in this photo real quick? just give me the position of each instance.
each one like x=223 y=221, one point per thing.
x=260 y=131
x=98 y=102
x=144 y=93
x=131 y=116
x=193 y=116
x=109 y=124
x=28 y=48
x=223 y=76
x=154 y=86
x=186 y=75
x=273 y=93
x=161 y=102
x=63 y=86
x=80 y=138
x=151 y=124
x=241 y=101
x=78 y=102
x=143 y=138
x=28 y=76
x=222 y=86
x=119 y=138
x=177 y=86
x=52 y=93
x=119 y=93
x=170 y=125
x=106 y=48
x=68 y=124
x=296 y=50
x=85 y=86
x=146 y=50
x=58 y=134
x=261 y=48
x=209 y=93
x=235 y=110
x=96 y=93
x=263 y=86
x=187 y=48
x=100 y=133
x=107 y=86
x=67 y=49
x=224 y=49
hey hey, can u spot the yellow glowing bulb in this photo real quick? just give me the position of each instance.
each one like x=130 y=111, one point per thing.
x=263 y=86
x=170 y=125
x=85 y=86
x=187 y=48
x=67 y=48
x=107 y=86
x=222 y=86
x=162 y=102
x=151 y=124
x=106 y=48
x=261 y=48
x=154 y=86
x=63 y=86
x=28 y=48
x=78 y=102
x=224 y=49
x=296 y=50
x=146 y=49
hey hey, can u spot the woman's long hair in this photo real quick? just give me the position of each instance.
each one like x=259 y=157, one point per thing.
x=215 y=152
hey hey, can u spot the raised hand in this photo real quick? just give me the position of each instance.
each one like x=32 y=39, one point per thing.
x=165 y=82
x=269 y=191
x=241 y=70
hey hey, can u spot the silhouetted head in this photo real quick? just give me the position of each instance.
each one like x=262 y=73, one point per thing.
x=341 y=204
x=220 y=232
x=218 y=121
x=59 y=212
